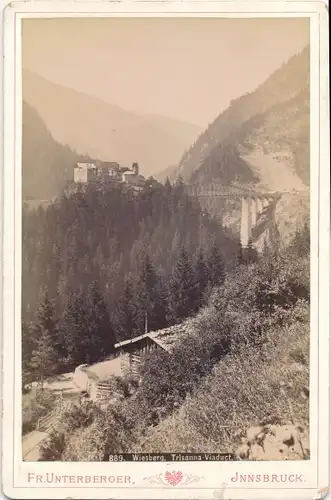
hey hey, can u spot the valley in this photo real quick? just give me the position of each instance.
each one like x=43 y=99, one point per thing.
x=157 y=309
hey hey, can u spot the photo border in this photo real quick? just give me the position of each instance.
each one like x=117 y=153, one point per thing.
x=13 y=466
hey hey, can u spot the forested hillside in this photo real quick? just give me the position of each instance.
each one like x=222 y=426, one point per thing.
x=46 y=165
x=223 y=166
x=103 y=262
x=154 y=253
x=239 y=382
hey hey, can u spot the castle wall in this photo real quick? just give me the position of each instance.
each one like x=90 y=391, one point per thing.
x=80 y=175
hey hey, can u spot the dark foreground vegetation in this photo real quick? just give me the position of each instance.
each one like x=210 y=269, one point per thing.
x=246 y=362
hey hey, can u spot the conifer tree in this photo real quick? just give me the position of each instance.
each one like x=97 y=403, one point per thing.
x=300 y=243
x=28 y=347
x=98 y=234
x=249 y=253
x=166 y=203
x=43 y=360
x=151 y=298
x=182 y=289
x=74 y=328
x=201 y=278
x=179 y=181
x=126 y=313
x=158 y=317
x=216 y=268
x=101 y=337
x=167 y=186
x=46 y=320
x=45 y=350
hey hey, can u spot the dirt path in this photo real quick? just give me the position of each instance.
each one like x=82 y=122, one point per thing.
x=64 y=385
x=30 y=445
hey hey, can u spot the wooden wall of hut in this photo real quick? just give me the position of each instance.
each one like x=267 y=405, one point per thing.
x=135 y=352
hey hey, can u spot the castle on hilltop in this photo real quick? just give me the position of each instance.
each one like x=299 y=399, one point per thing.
x=84 y=173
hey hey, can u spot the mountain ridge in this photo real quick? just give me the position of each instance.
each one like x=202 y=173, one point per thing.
x=107 y=131
x=47 y=165
x=283 y=85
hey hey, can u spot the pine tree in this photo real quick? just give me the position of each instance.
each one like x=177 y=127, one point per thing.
x=182 y=289
x=43 y=359
x=90 y=235
x=250 y=255
x=300 y=243
x=216 y=268
x=167 y=186
x=28 y=346
x=179 y=181
x=157 y=317
x=240 y=257
x=75 y=331
x=151 y=298
x=126 y=314
x=46 y=320
x=45 y=350
x=201 y=278
x=101 y=337
x=176 y=242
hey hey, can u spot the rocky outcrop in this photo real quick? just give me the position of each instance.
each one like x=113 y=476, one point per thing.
x=274 y=442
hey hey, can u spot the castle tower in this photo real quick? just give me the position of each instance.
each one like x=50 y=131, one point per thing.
x=135 y=168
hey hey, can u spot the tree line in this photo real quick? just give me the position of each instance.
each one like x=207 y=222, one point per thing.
x=101 y=265
x=86 y=332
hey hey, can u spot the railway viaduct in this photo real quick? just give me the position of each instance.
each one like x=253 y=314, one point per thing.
x=257 y=207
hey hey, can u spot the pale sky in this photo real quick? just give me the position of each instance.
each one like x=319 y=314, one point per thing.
x=184 y=68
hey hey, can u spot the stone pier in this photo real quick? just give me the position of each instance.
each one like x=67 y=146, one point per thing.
x=254 y=211
x=251 y=209
x=246 y=221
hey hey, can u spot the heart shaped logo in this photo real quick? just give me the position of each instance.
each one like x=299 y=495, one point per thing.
x=173 y=477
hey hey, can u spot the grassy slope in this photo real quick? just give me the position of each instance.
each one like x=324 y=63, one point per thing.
x=244 y=390
x=244 y=366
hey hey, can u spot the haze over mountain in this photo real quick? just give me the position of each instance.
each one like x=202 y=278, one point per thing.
x=272 y=119
x=106 y=131
x=261 y=141
x=46 y=164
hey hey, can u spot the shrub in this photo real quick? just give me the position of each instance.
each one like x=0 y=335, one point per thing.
x=53 y=448
x=245 y=389
x=244 y=363
x=123 y=386
x=114 y=430
x=169 y=377
x=80 y=415
x=35 y=405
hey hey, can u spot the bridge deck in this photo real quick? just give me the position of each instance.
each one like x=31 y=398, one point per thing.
x=221 y=192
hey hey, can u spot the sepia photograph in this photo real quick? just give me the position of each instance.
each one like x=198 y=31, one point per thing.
x=165 y=239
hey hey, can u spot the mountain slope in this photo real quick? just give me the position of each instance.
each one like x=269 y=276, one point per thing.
x=106 y=131
x=46 y=164
x=287 y=87
x=260 y=142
